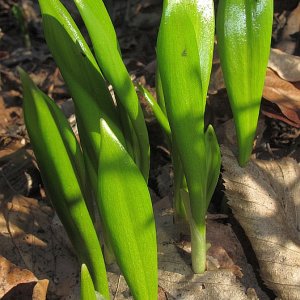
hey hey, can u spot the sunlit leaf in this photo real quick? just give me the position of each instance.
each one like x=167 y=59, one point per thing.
x=126 y=212
x=244 y=31
x=108 y=55
x=61 y=165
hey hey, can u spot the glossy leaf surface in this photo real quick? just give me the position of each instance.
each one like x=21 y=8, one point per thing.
x=82 y=75
x=126 y=212
x=61 y=165
x=87 y=290
x=184 y=49
x=107 y=52
x=244 y=31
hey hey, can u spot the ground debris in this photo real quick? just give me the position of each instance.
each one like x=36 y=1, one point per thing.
x=264 y=197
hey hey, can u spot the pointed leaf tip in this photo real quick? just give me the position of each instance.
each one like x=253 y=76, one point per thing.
x=87 y=290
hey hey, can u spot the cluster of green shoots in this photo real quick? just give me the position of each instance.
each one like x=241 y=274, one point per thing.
x=105 y=175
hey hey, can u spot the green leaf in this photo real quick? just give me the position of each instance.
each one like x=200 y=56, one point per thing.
x=160 y=116
x=126 y=212
x=87 y=290
x=213 y=157
x=160 y=93
x=244 y=31
x=184 y=50
x=82 y=76
x=107 y=52
x=179 y=184
x=62 y=169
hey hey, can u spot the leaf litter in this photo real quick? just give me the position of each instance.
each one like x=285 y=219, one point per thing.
x=34 y=240
x=18 y=282
x=264 y=197
x=285 y=95
x=291 y=29
x=287 y=66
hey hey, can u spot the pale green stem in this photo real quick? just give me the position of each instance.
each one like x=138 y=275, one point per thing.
x=198 y=243
x=198 y=240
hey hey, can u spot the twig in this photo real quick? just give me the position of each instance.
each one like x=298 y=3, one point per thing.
x=117 y=289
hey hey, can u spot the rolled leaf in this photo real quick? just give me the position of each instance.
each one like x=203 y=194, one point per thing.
x=87 y=290
x=107 y=52
x=184 y=50
x=62 y=169
x=213 y=156
x=244 y=31
x=126 y=212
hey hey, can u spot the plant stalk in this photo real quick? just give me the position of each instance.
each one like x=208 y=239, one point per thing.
x=198 y=245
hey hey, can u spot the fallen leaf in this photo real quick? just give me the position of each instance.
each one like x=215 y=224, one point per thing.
x=33 y=239
x=224 y=260
x=13 y=278
x=264 y=197
x=271 y=110
x=281 y=92
x=284 y=94
x=40 y=290
x=287 y=43
x=285 y=65
x=211 y=285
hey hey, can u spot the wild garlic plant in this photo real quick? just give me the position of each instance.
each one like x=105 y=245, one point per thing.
x=184 y=56
x=110 y=165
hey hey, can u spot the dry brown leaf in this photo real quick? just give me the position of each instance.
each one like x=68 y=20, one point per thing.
x=12 y=277
x=212 y=285
x=224 y=260
x=281 y=92
x=272 y=111
x=287 y=43
x=31 y=238
x=284 y=94
x=285 y=65
x=264 y=197
x=40 y=290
